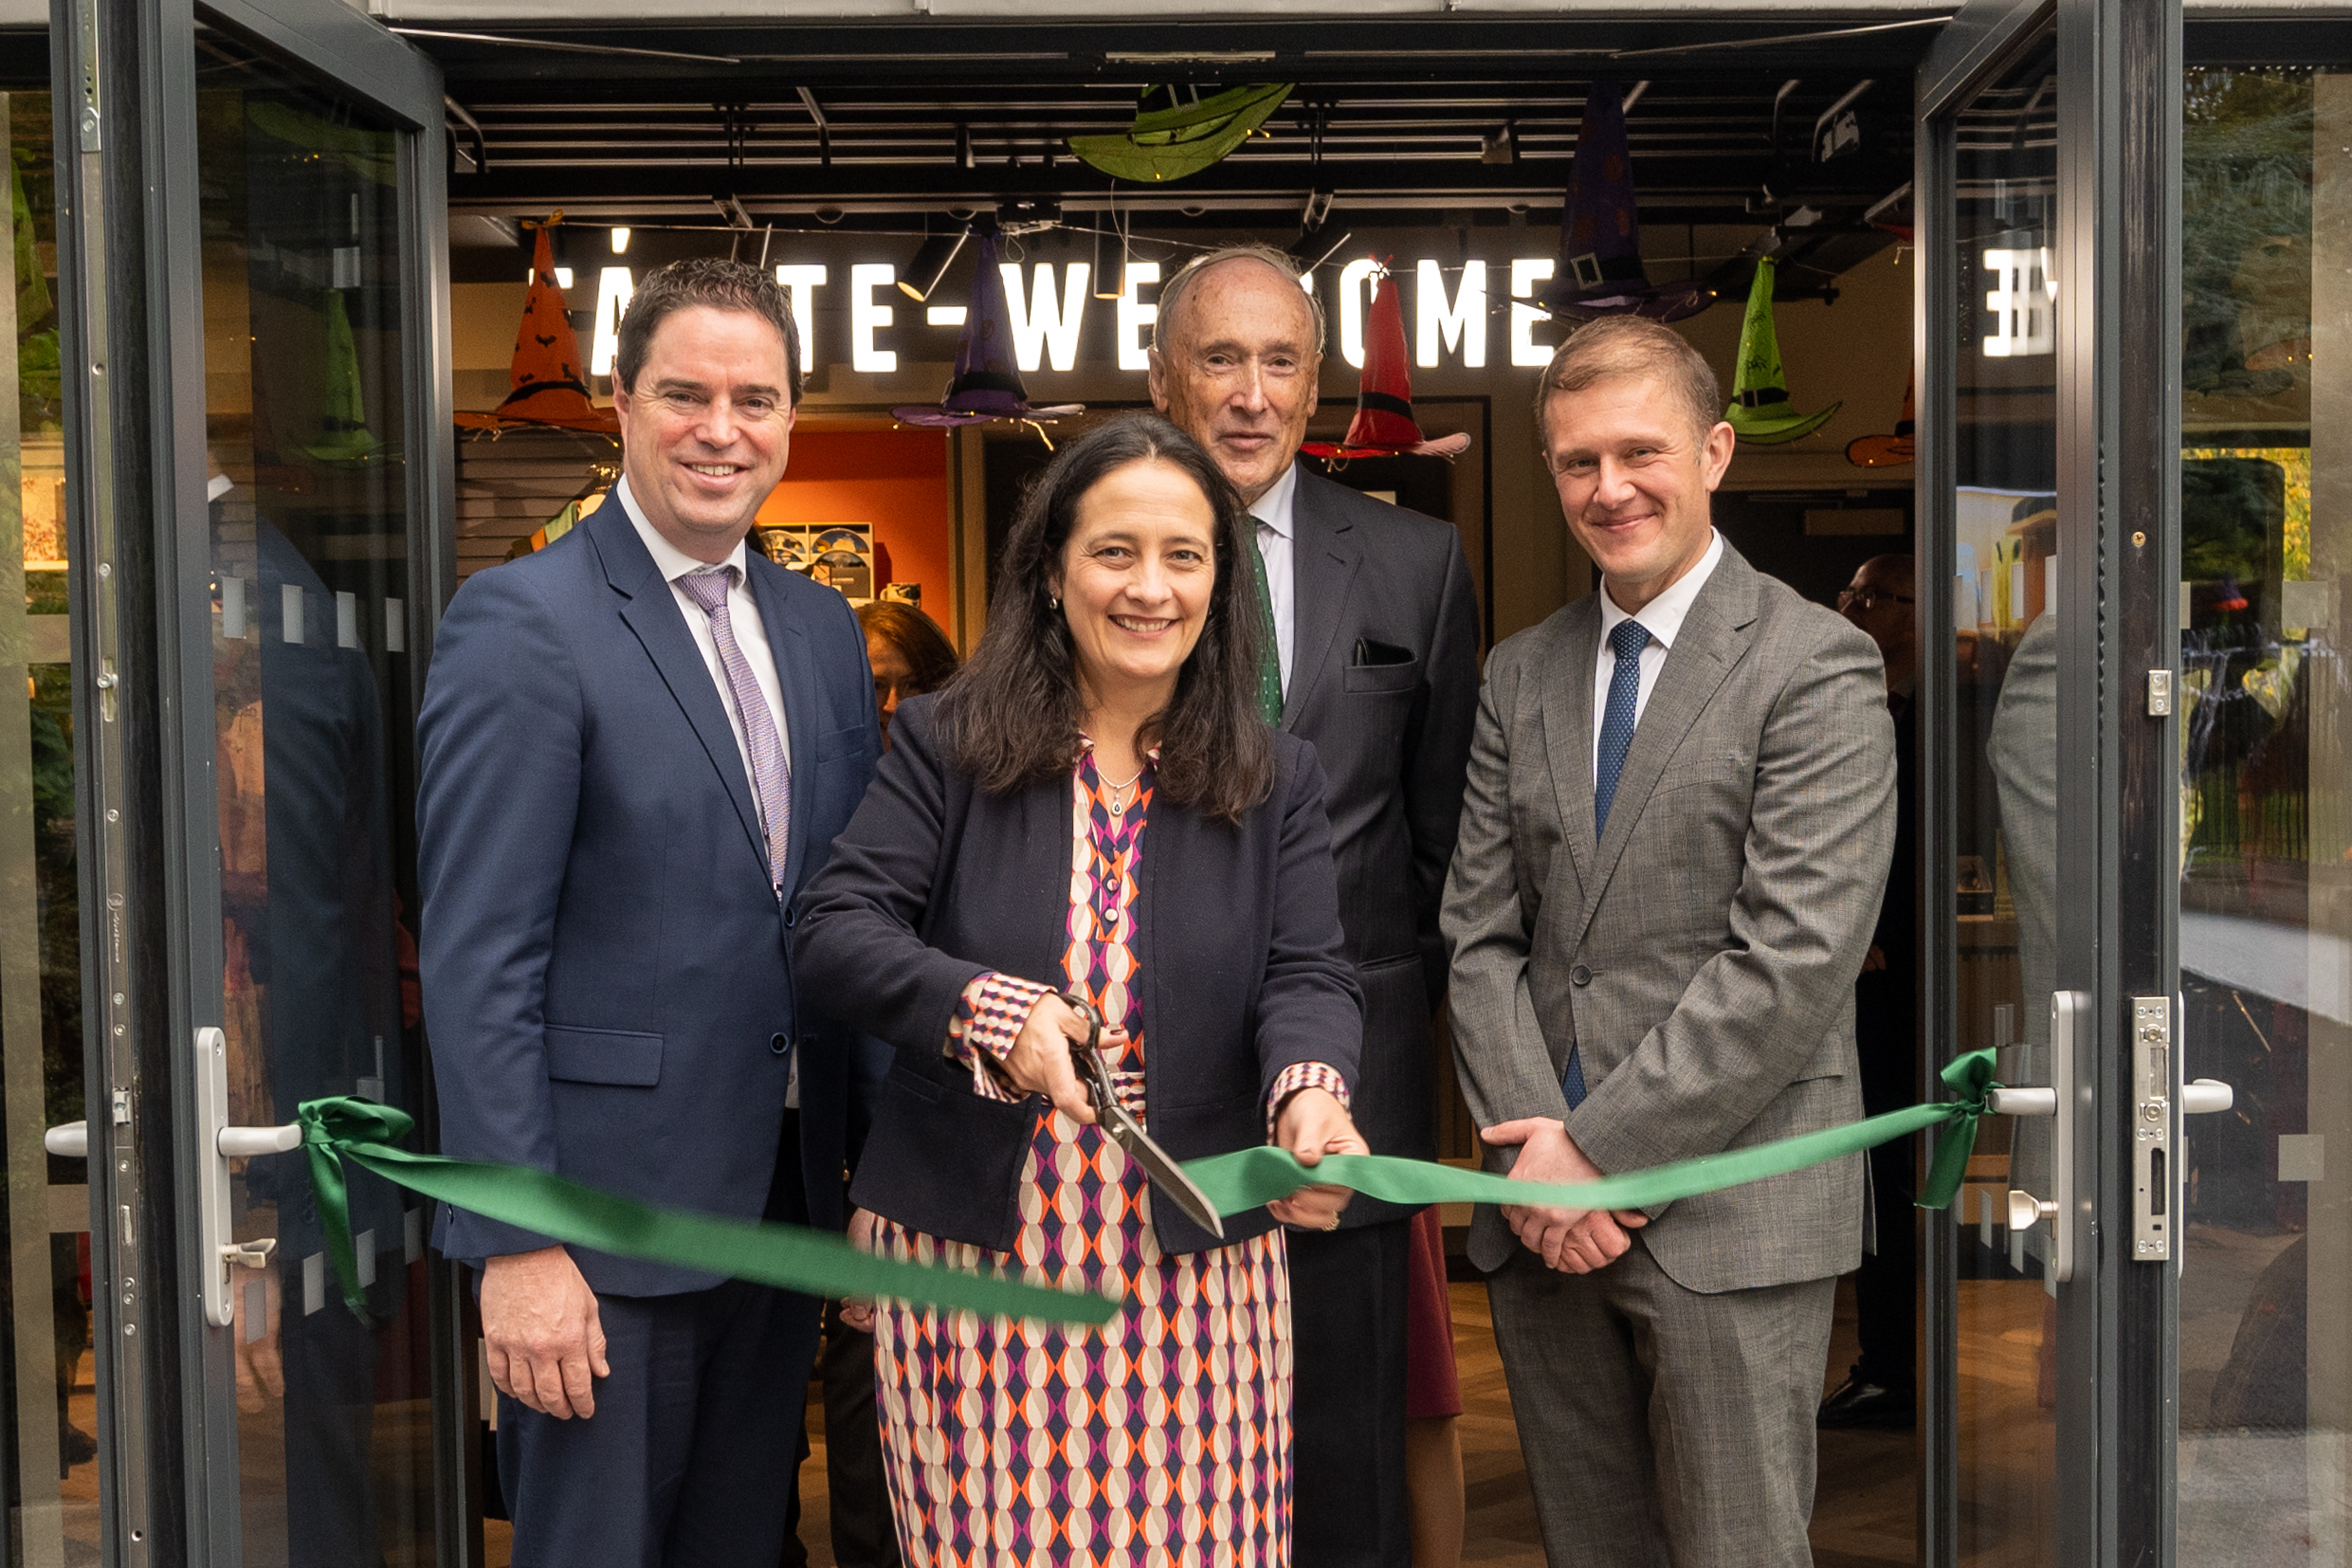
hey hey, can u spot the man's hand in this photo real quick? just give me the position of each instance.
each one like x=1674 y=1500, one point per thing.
x=1874 y=960
x=1039 y=1061
x=1576 y=1241
x=540 y=1325
x=857 y=1312
x=261 y=1374
x=1313 y=1123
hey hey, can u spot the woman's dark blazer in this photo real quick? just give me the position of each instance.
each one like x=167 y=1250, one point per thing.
x=935 y=881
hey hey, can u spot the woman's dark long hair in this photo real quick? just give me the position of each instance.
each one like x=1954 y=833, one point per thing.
x=930 y=657
x=1011 y=715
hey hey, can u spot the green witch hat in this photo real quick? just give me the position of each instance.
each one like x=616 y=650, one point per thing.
x=1759 y=409
x=1178 y=132
x=343 y=435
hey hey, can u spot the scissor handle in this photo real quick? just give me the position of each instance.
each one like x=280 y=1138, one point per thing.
x=1090 y=1056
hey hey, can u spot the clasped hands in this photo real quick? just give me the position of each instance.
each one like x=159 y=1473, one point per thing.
x=1576 y=1241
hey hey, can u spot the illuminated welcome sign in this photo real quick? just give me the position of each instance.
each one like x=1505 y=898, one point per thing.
x=2023 y=303
x=1052 y=308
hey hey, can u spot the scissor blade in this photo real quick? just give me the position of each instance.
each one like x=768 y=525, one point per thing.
x=1164 y=1171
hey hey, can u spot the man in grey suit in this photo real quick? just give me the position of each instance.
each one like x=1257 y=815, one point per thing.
x=1376 y=632
x=1677 y=830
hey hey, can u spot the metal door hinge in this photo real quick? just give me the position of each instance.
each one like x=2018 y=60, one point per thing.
x=2159 y=693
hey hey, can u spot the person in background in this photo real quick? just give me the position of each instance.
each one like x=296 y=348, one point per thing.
x=1432 y=1403
x=1879 y=1390
x=1094 y=814
x=1372 y=627
x=636 y=745
x=1679 y=813
x=910 y=655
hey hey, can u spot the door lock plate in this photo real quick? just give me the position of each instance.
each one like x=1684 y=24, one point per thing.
x=2155 y=1171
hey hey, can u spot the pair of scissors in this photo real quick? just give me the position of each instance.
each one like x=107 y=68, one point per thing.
x=1127 y=1132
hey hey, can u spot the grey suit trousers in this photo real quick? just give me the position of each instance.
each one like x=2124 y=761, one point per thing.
x=1664 y=1428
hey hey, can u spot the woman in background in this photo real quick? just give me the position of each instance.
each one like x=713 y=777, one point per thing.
x=910 y=655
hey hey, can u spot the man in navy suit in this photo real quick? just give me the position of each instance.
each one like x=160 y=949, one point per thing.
x=637 y=746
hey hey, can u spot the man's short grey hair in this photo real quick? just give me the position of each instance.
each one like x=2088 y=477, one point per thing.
x=1617 y=346
x=1174 y=293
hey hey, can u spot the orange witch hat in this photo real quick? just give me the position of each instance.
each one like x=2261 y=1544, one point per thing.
x=1889 y=451
x=1383 y=426
x=545 y=374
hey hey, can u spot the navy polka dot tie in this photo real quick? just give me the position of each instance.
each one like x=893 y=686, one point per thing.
x=1616 y=738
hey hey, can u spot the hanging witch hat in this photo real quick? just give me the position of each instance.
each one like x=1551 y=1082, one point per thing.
x=545 y=374
x=1889 y=451
x=986 y=384
x=1601 y=271
x=1383 y=426
x=1759 y=409
x=1177 y=132
x=343 y=435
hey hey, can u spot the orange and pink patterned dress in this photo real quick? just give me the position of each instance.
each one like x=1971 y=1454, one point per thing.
x=1162 y=1437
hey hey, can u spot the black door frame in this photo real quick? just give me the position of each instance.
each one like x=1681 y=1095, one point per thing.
x=130 y=279
x=2118 y=471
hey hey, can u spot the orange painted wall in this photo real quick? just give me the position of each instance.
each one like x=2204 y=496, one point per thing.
x=896 y=480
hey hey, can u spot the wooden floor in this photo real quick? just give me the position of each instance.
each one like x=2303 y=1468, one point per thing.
x=1864 y=1509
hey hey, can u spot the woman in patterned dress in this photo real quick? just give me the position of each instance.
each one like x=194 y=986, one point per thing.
x=1093 y=809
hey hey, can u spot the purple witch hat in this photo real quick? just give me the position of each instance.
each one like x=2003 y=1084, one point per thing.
x=1600 y=270
x=988 y=383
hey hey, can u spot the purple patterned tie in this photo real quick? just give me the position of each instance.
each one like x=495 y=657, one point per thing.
x=772 y=775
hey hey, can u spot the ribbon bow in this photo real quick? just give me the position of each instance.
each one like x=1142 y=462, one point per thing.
x=790 y=1257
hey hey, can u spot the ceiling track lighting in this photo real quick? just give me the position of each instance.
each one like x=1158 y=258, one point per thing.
x=932 y=260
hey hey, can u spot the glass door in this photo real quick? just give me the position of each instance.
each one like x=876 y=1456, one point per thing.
x=263 y=417
x=2265 y=862
x=2046 y=821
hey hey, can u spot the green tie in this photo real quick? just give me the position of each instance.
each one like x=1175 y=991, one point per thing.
x=1269 y=657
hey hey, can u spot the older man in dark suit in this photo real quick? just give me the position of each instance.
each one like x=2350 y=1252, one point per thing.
x=1375 y=630
x=637 y=746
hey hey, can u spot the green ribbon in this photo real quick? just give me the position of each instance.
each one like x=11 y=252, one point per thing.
x=343 y=1129
x=1236 y=1182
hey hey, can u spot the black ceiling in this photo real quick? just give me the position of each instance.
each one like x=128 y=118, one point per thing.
x=866 y=125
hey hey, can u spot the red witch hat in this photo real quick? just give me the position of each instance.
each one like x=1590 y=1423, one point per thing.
x=1383 y=426
x=545 y=374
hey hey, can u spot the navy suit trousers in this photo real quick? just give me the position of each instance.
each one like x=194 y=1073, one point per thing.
x=689 y=1458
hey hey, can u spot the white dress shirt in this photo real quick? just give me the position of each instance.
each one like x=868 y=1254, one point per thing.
x=1274 y=512
x=1662 y=617
x=751 y=635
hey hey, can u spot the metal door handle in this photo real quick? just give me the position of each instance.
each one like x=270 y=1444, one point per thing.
x=222 y=1143
x=2205 y=1096
x=70 y=1140
x=2066 y=1008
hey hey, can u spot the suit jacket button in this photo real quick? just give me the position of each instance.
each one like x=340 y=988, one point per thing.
x=779 y=1042
x=1580 y=976
x=791 y=916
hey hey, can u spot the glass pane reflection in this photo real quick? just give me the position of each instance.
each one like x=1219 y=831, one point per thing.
x=2004 y=740
x=53 y=1470
x=2265 y=890
x=310 y=581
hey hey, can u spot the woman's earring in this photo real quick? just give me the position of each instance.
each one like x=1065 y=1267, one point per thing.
x=1052 y=602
